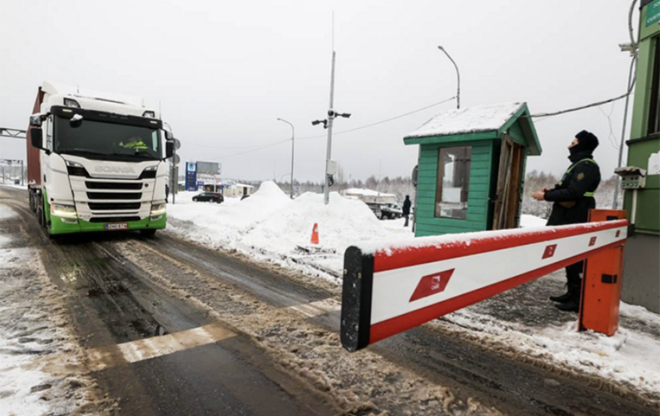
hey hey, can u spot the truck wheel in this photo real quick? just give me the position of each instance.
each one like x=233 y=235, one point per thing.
x=147 y=233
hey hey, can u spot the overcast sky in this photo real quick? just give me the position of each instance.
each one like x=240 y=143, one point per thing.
x=225 y=71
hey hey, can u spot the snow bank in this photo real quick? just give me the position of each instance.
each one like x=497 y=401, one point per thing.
x=225 y=223
x=270 y=226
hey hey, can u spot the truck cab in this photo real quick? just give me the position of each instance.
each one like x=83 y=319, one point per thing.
x=96 y=162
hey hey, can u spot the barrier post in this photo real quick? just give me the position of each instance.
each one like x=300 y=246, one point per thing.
x=601 y=286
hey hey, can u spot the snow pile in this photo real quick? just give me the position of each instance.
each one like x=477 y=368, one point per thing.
x=270 y=226
x=225 y=223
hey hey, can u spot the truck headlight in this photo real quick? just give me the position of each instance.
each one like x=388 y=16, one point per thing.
x=158 y=209
x=66 y=211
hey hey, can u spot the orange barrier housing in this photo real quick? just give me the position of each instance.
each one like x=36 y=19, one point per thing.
x=601 y=286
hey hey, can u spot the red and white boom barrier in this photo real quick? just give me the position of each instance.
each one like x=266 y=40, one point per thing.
x=390 y=288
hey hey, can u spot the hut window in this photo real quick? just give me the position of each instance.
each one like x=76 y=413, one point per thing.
x=451 y=197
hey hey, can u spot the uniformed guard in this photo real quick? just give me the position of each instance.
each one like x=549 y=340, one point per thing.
x=573 y=197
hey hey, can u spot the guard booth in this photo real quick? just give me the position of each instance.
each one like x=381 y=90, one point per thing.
x=471 y=168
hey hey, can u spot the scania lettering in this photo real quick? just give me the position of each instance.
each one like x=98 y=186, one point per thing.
x=96 y=162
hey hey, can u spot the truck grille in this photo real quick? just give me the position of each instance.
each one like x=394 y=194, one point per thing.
x=107 y=206
x=114 y=195
x=114 y=219
x=114 y=185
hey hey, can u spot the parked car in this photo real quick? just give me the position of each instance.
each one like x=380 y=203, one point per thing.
x=209 y=197
x=375 y=208
x=390 y=211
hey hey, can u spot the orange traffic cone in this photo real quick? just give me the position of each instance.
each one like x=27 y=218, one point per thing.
x=315 y=234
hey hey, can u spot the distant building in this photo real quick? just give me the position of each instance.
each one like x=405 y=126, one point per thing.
x=236 y=190
x=369 y=196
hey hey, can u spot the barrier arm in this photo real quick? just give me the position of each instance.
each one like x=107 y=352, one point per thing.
x=389 y=288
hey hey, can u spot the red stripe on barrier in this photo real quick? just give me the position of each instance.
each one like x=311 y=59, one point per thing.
x=402 y=323
x=397 y=258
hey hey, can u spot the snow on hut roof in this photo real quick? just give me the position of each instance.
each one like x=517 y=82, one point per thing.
x=468 y=120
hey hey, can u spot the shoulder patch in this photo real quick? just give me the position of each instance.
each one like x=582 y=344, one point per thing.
x=580 y=176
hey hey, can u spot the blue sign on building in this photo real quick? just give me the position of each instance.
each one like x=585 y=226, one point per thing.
x=191 y=177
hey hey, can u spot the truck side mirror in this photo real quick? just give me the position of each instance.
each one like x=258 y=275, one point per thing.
x=35 y=120
x=169 y=149
x=37 y=138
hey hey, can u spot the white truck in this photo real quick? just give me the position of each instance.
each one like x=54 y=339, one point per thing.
x=96 y=162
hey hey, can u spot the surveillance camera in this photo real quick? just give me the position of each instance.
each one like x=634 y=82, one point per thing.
x=331 y=113
x=347 y=115
x=315 y=122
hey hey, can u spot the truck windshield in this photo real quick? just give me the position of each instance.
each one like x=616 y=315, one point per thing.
x=99 y=140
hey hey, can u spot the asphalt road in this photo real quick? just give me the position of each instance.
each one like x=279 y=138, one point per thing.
x=117 y=302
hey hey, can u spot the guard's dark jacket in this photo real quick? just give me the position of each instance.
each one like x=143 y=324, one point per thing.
x=571 y=205
x=406 y=207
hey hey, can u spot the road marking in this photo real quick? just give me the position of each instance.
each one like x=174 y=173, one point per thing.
x=144 y=349
x=318 y=308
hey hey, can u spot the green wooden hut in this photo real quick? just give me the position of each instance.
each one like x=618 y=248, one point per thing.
x=471 y=168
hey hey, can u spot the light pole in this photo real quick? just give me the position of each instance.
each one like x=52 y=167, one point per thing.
x=293 y=135
x=458 y=76
x=327 y=124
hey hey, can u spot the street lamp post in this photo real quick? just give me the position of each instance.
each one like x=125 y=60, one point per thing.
x=458 y=76
x=327 y=124
x=293 y=135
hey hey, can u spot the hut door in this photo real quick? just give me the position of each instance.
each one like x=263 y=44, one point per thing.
x=507 y=198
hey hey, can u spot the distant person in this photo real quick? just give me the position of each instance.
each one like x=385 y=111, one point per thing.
x=406 y=209
x=573 y=197
x=167 y=193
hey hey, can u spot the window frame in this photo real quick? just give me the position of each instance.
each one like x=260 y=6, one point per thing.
x=440 y=174
x=653 y=125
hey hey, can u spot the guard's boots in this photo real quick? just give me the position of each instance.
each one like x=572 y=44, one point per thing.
x=573 y=303
x=562 y=298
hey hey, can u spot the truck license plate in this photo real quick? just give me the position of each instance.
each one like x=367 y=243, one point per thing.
x=115 y=227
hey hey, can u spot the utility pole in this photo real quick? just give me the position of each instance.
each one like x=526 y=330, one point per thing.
x=293 y=135
x=327 y=123
x=326 y=195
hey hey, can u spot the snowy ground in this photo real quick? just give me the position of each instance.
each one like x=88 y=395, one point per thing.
x=270 y=227
x=40 y=360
